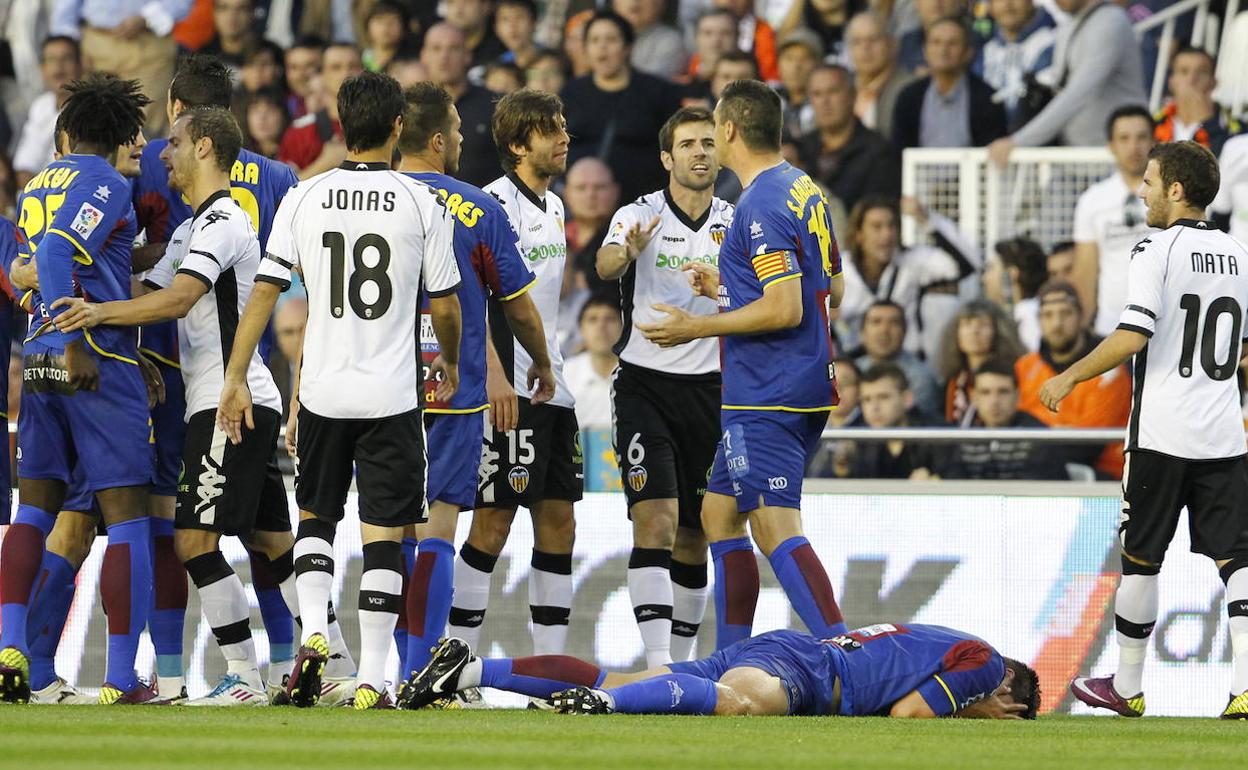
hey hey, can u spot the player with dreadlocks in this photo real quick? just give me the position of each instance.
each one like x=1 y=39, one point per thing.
x=84 y=400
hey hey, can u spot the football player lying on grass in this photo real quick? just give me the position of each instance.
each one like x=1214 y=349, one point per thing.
x=908 y=671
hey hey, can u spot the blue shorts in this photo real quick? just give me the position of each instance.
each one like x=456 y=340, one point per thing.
x=762 y=456
x=800 y=661
x=106 y=432
x=78 y=496
x=169 y=427
x=455 y=441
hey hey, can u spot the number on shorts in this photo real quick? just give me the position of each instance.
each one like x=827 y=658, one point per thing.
x=636 y=452
x=520 y=447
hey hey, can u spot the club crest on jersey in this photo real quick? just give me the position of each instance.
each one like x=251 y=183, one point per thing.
x=637 y=478
x=518 y=479
x=717 y=234
x=86 y=220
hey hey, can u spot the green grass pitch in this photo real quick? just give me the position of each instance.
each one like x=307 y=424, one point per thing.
x=137 y=737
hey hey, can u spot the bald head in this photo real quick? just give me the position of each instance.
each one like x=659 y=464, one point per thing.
x=288 y=323
x=445 y=55
x=591 y=191
x=870 y=47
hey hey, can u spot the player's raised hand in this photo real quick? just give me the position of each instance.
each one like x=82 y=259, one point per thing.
x=676 y=329
x=234 y=410
x=447 y=377
x=541 y=381
x=1054 y=390
x=84 y=372
x=704 y=279
x=638 y=238
x=154 y=381
x=79 y=314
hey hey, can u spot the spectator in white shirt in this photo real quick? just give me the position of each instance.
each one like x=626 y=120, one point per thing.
x=1013 y=273
x=589 y=373
x=60 y=62
x=1109 y=221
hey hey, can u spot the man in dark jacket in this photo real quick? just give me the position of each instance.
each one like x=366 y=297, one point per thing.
x=950 y=107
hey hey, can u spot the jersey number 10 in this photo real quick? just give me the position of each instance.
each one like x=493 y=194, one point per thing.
x=1224 y=370
x=361 y=274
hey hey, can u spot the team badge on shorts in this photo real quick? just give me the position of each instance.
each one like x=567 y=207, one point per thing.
x=637 y=478
x=519 y=479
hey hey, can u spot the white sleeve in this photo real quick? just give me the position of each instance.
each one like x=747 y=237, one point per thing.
x=212 y=250
x=623 y=220
x=161 y=274
x=1232 y=167
x=31 y=154
x=1085 y=228
x=441 y=273
x=281 y=254
x=1145 y=278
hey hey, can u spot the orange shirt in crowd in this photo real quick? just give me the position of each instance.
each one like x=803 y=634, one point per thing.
x=764 y=52
x=1102 y=402
x=196 y=29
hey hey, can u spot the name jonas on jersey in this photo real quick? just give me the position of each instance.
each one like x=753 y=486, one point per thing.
x=547 y=251
x=676 y=261
x=358 y=200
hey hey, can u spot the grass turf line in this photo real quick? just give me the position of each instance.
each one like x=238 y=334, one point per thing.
x=176 y=738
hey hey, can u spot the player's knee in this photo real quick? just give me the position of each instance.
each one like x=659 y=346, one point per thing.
x=720 y=521
x=654 y=528
x=690 y=546
x=271 y=544
x=1134 y=565
x=556 y=534
x=490 y=531
x=190 y=543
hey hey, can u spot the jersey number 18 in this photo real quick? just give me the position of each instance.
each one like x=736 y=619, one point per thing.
x=361 y=274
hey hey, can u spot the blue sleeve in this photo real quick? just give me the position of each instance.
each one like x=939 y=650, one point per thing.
x=970 y=672
x=8 y=253
x=773 y=241
x=505 y=271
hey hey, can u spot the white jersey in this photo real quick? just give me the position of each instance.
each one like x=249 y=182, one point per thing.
x=363 y=237
x=656 y=277
x=1233 y=194
x=1112 y=216
x=219 y=247
x=1187 y=290
x=538 y=223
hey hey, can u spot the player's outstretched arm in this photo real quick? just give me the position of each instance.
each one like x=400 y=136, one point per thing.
x=912 y=706
x=526 y=325
x=162 y=305
x=1114 y=351
x=447 y=322
x=780 y=307
x=234 y=410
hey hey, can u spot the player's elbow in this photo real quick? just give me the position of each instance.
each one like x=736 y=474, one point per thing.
x=788 y=315
x=904 y=710
x=606 y=263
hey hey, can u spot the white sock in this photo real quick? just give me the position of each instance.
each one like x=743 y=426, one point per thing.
x=650 y=589
x=471 y=675
x=1135 y=614
x=314 y=576
x=224 y=603
x=1237 y=609
x=381 y=587
x=550 y=601
x=473 y=570
x=341 y=665
x=689 y=597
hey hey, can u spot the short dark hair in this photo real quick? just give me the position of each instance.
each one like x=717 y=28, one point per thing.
x=103 y=111
x=427 y=112
x=1126 y=111
x=217 y=124
x=202 y=81
x=1192 y=166
x=1024 y=687
x=621 y=23
x=1059 y=287
x=1061 y=246
x=886 y=370
x=957 y=21
x=266 y=46
x=712 y=12
x=1028 y=258
x=387 y=8
x=1188 y=50
x=838 y=69
x=66 y=39
x=599 y=299
x=368 y=103
x=528 y=5
x=308 y=41
x=738 y=56
x=667 y=134
x=998 y=366
x=885 y=303
x=755 y=109
x=519 y=115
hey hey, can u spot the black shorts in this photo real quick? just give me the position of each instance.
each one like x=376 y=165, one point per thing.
x=540 y=460
x=666 y=433
x=232 y=489
x=385 y=455
x=1156 y=487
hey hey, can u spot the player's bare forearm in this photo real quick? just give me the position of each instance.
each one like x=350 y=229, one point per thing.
x=526 y=325
x=912 y=706
x=145 y=257
x=1114 y=351
x=251 y=326
x=162 y=305
x=1084 y=274
x=444 y=312
x=779 y=308
x=23 y=274
x=612 y=262
x=836 y=291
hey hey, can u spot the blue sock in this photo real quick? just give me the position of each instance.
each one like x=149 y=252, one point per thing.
x=667 y=694
x=429 y=603
x=408 y=546
x=48 y=612
x=807 y=586
x=540 y=676
x=736 y=590
x=279 y=623
x=167 y=617
x=22 y=554
x=125 y=587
